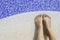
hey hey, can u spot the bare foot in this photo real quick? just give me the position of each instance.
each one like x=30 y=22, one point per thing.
x=47 y=20
x=47 y=27
x=38 y=21
x=39 y=25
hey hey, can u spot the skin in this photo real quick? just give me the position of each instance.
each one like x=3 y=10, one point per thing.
x=47 y=23
x=39 y=26
x=43 y=25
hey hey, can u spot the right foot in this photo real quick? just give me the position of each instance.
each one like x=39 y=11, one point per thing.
x=47 y=20
x=47 y=23
x=47 y=27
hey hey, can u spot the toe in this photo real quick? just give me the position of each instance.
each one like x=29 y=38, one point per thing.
x=45 y=15
x=38 y=16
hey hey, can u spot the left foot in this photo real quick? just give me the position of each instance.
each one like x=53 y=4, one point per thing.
x=39 y=26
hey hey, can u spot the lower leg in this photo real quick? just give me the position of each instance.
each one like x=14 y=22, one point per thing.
x=40 y=33
x=51 y=35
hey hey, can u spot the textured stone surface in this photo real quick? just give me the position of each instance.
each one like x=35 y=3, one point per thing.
x=12 y=7
x=21 y=26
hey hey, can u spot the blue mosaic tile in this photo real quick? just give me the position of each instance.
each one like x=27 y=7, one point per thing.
x=12 y=7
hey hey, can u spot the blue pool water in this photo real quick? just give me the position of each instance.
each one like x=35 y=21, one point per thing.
x=12 y=7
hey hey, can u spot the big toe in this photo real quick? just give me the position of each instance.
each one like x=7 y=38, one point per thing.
x=38 y=17
x=46 y=16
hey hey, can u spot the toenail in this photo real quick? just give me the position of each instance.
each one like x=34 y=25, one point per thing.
x=45 y=16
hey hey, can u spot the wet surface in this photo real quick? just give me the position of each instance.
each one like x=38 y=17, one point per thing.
x=12 y=7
